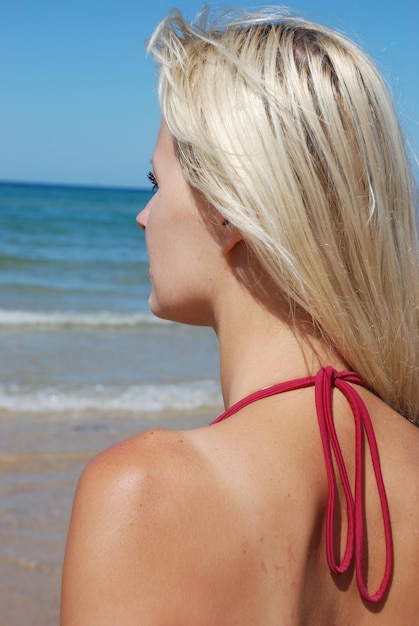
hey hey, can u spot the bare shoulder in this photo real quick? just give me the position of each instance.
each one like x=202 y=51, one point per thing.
x=131 y=467
x=128 y=529
x=125 y=482
x=163 y=531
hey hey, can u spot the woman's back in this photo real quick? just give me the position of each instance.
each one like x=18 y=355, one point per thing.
x=228 y=522
x=279 y=461
x=272 y=461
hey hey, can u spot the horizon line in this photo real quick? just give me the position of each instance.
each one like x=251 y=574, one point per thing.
x=109 y=187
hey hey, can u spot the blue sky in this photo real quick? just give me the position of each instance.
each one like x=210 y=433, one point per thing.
x=77 y=93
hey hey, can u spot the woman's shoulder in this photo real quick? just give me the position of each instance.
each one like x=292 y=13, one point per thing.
x=138 y=455
x=170 y=506
x=129 y=528
x=139 y=473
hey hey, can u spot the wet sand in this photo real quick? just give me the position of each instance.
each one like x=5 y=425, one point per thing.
x=40 y=462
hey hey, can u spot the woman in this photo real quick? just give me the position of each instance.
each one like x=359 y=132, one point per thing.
x=284 y=210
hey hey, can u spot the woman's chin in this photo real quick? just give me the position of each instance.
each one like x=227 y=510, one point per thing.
x=160 y=310
x=185 y=314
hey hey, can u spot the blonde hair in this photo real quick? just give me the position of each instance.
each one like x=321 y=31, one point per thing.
x=287 y=129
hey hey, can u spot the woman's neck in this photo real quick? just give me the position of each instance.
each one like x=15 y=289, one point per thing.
x=258 y=349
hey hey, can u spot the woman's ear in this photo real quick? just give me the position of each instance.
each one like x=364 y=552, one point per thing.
x=230 y=236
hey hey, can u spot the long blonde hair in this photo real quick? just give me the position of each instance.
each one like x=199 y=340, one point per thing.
x=288 y=130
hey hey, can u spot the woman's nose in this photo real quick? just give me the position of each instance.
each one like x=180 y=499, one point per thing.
x=142 y=217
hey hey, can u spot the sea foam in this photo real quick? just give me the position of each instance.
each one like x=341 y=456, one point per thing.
x=65 y=319
x=134 y=399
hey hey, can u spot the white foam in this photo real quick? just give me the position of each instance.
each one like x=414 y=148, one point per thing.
x=60 y=319
x=138 y=399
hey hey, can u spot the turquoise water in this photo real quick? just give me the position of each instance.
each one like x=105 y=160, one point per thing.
x=76 y=333
x=72 y=249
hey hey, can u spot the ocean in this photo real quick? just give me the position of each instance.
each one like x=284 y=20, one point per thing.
x=76 y=334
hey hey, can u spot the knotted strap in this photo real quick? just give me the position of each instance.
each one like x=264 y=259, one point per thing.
x=323 y=382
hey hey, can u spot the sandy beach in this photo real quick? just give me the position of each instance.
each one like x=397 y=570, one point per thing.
x=40 y=462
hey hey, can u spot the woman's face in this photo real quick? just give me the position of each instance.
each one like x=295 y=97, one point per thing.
x=184 y=255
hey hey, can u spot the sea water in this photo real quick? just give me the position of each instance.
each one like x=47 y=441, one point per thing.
x=76 y=333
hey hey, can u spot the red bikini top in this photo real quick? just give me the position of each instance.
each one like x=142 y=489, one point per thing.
x=323 y=383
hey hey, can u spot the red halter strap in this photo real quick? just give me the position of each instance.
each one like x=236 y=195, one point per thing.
x=324 y=382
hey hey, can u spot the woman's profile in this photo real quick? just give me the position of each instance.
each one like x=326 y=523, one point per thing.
x=284 y=218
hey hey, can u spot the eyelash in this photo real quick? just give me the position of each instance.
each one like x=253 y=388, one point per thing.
x=153 y=180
